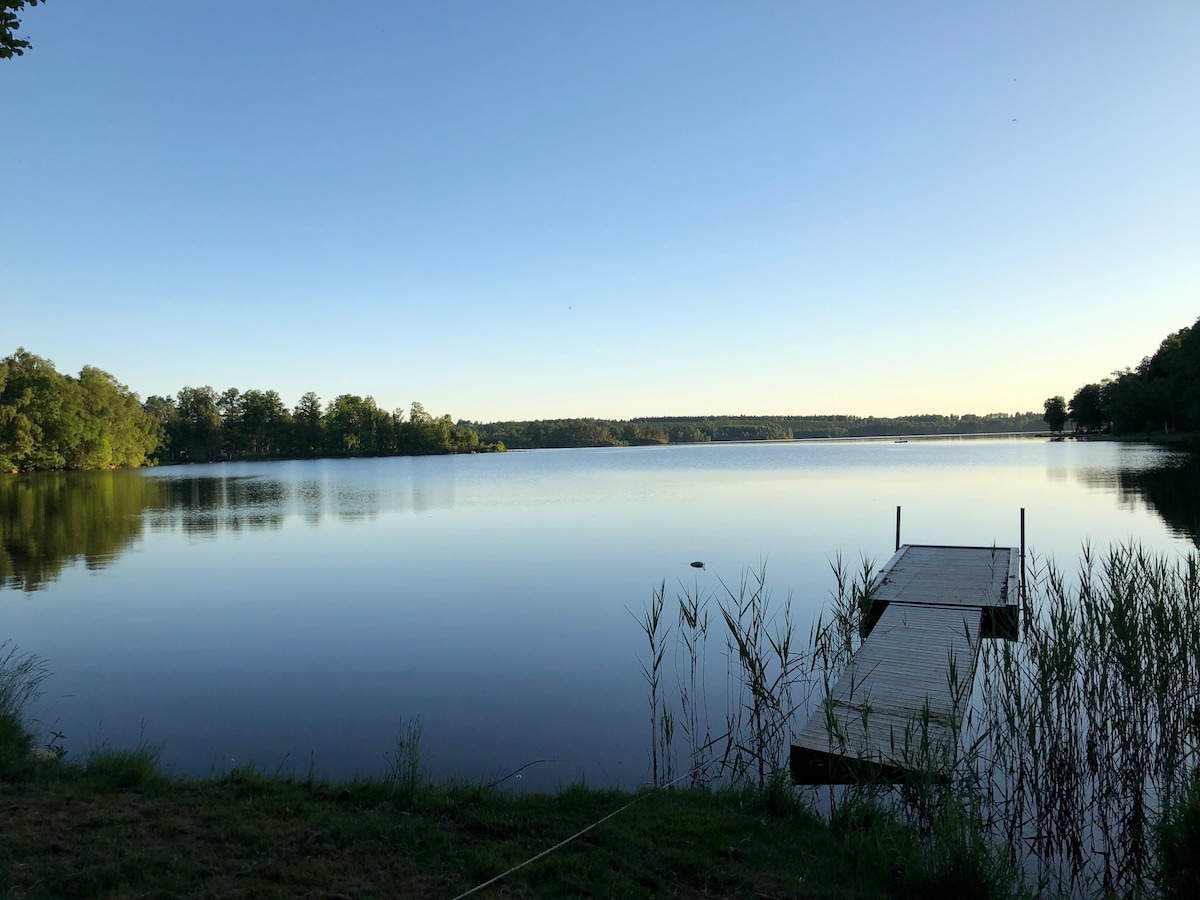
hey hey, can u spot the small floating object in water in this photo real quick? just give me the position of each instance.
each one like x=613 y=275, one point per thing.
x=697 y=565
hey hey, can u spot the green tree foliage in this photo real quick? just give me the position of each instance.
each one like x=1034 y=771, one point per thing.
x=1086 y=408
x=422 y=433
x=198 y=434
x=165 y=413
x=201 y=425
x=1161 y=394
x=52 y=421
x=308 y=434
x=31 y=413
x=700 y=429
x=10 y=44
x=111 y=426
x=255 y=423
x=688 y=433
x=1055 y=413
x=356 y=426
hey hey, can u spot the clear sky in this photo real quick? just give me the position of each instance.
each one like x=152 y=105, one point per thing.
x=543 y=209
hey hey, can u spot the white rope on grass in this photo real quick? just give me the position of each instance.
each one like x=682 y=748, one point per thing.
x=550 y=850
x=565 y=841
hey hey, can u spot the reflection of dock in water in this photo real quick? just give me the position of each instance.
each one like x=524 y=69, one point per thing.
x=898 y=705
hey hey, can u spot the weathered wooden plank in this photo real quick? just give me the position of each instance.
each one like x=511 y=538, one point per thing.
x=898 y=705
x=975 y=576
x=983 y=577
x=900 y=699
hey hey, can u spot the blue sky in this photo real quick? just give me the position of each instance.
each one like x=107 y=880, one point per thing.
x=543 y=209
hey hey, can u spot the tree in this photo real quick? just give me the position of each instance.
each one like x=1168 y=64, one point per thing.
x=1087 y=408
x=1162 y=392
x=688 y=433
x=53 y=421
x=307 y=426
x=33 y=414
x=1056 y=413
x=165 y=413
x=109 y=427
x=356 y=426
x=199 y=424
x=10 y=44
x=263 y=421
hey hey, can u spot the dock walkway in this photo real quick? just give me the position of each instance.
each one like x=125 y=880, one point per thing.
x=898 y=705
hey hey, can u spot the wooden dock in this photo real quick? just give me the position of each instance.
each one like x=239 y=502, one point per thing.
x=898 y=705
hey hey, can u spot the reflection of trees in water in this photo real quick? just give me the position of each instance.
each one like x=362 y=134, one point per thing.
x=50 y=521
x=1171 y=491
x=208 y=505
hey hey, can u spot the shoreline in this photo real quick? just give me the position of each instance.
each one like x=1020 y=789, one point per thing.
x=116 y=826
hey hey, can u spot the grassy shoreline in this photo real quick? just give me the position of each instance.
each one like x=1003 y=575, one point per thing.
x=113 y=825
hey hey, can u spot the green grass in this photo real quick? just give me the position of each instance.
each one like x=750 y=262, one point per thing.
x=116 y=826
x=124 y=770
x=21 y=676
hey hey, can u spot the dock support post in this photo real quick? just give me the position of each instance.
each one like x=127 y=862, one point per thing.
x=1022 y=592
x=897 y=528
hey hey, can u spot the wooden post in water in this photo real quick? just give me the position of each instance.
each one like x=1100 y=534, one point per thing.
x=1022 y=553
x=897 y=528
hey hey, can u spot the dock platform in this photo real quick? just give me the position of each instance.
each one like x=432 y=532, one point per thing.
x=898 y=705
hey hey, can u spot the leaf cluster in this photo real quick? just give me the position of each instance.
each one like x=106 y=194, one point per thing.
x=10 y=44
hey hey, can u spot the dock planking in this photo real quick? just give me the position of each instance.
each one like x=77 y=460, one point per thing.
x=898 y=705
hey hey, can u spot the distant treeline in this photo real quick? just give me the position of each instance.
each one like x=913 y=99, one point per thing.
x=1161 y=395
x=702 y=429
x=51 y=421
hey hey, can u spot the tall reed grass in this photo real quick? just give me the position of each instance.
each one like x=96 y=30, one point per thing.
x=767 y=673
x=21 y=677
x=1089 y=726
x=1078 y=749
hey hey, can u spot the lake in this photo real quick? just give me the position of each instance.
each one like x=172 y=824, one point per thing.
x=288 y=614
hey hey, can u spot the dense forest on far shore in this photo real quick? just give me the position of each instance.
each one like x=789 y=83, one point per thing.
x=1162 y=394
x=51 y=421
x=702 y=429
x=200 y=425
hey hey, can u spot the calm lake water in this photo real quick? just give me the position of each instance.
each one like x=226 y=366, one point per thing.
x=288 y=614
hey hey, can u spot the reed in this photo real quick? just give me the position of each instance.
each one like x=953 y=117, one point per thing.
x=764 y=676
x=1090 y=725
x=656 y=630
x=1073 y=765
x=406 y=770
x=768 y=678
x=21 y=677
x=691 y=660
